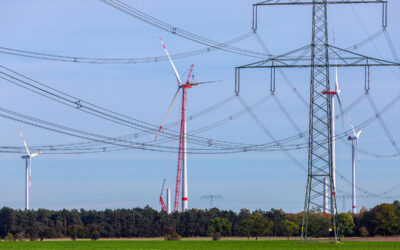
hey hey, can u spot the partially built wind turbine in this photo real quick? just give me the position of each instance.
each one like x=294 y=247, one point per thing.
x=354 y=143
x=182 y=154
x=28 y=170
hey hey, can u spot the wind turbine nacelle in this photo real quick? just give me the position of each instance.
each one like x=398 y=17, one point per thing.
x=25 y=157
x=328 y=92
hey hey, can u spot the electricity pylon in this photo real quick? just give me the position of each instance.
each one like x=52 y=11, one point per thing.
x=319 y=57
x=211 y=198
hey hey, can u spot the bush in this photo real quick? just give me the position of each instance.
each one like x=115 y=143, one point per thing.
x=19 y=236
x=346 y=224
x=289 y=228
x=76 y=231
x=216 y=236
x=219 y=225
x=94 y=231
x=363 y=231
x=171 y=234
x=94 y=235
x=9 y=237
x=32 y=236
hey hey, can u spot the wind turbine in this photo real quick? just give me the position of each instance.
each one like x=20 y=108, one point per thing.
x=332 y=95
x=182 y=155
x=28 y=170
x=354 y=143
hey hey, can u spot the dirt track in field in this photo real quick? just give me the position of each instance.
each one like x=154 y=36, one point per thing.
x=391 y=238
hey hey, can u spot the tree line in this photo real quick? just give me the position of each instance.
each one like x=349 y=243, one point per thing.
x=383 y=219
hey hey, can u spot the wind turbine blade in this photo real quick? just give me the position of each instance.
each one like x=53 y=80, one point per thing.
x=358 y=155
x=196 y=83
x=336 y=78
x=23 y=139
x=333 y=37
x=341 y=108
x=178 y=78
x=352 y=127
x=336 y=75
x=189 y=74
x=168 y=111
x=359 y=133
x=36 y=154
x=337 y=90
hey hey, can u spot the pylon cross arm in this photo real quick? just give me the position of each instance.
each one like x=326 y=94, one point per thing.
x=276 y=2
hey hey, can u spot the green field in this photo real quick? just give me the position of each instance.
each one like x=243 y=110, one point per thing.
x=195 y=244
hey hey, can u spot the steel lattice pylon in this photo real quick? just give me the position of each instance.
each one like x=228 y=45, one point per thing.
x=320 y=139
x=322 y=57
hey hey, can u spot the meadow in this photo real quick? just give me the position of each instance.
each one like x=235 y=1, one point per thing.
x=197 y=244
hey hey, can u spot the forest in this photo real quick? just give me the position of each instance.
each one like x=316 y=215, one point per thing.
x=381 y=220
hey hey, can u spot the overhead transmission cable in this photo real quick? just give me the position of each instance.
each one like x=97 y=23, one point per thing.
x=266 y=131
x=79 y=104
x=129 y=10
x=392 y=48
x=74 y=102
x=101 y=138
x=371 y=40
x=383 y=124
x=154 y=59
x=102 y=60
x=105 y=139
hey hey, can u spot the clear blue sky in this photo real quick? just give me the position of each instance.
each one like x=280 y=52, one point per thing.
x=133 y=178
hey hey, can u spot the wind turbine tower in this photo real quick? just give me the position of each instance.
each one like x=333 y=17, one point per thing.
x=332 y=95
x=168 y=200
x=326 y=196
x=354 y=144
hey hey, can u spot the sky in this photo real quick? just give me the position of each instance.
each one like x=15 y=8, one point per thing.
x=133 y=178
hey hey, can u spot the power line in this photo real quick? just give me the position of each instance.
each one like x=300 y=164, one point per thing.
x=102 y=60
x=382 y=123
x=129 y=10
x=258 y=147
x=154 y=59
x=98 y=137
x=97 y=111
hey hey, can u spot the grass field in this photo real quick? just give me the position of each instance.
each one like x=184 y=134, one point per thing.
x=196 y=244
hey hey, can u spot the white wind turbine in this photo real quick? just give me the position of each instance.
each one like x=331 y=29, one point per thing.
x=354 y=143
x=332 y=95
x=28 y=170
